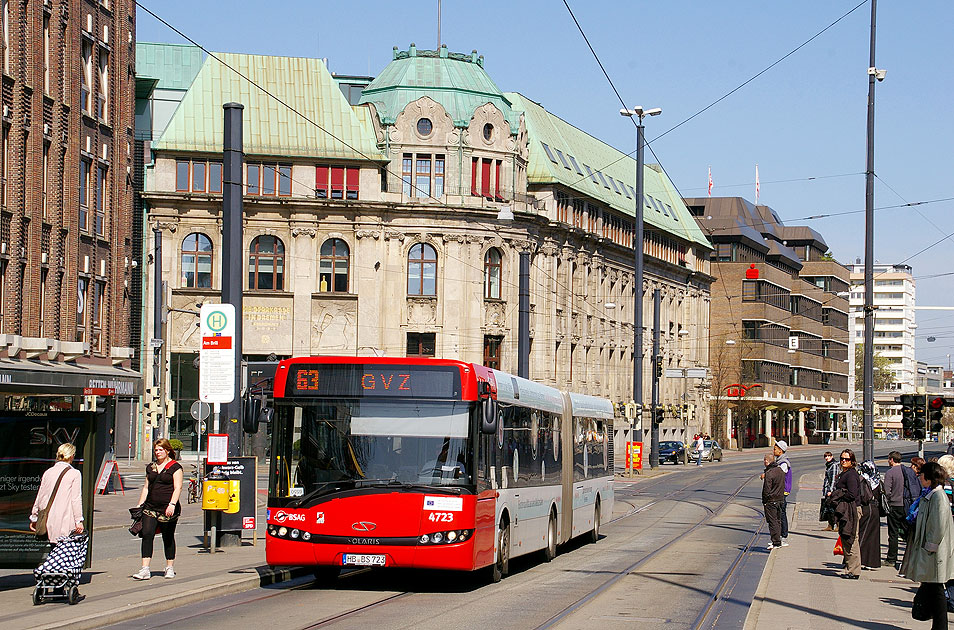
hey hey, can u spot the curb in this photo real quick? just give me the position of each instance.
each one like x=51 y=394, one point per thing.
x=265 y=576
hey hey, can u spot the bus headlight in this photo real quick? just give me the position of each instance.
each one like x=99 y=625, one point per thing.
x=306 y=536
x=295 y=533
x=282 y=531
x=425 y=539
x=451 y=536
x=438 y=537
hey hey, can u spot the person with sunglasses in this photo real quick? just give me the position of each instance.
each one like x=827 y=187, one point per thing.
x=846 y=498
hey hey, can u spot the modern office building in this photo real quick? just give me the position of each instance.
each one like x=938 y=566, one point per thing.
x=894 y=319
x=396 y=226
x=778 y=326
x=65 y=205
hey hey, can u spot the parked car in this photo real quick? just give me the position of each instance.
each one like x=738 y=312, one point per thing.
x=711 y=451
x=672 y=451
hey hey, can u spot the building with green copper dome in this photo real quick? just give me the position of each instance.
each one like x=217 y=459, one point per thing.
x=394 y=226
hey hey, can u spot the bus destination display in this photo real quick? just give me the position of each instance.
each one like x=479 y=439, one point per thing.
x=383 y=381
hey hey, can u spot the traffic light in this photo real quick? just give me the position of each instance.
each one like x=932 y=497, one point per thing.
x=659 y=414
x=907 y=415
x=658 y=360
x=151 y=407
x=936 y=412
x=920 y=417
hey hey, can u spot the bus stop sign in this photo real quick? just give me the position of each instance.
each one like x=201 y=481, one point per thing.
x=217 y=353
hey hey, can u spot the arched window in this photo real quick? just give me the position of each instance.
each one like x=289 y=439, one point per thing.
x=422 y=270
x=492 y=273
x=197 y=262
x=266 y=263
x=333 y=266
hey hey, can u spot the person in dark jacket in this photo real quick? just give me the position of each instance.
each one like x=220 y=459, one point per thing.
x=846 y=498
x=831 y=473
x=773 y=499
x=894 y=489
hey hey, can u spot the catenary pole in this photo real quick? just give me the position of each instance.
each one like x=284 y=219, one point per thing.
x=868 y=394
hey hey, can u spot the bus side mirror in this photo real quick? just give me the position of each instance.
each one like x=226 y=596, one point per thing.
x=489 y=416
x=256 y=412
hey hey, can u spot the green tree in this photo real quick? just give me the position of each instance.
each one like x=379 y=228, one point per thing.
x=883 y=376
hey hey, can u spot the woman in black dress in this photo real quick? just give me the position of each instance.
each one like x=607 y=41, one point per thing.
x=160 y=507
x=869 y=530
x=846 y=499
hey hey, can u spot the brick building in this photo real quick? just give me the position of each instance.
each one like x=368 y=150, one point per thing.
x=779 y=319
x=65 y=222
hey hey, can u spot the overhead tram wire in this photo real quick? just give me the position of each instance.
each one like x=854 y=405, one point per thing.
x=710 y=105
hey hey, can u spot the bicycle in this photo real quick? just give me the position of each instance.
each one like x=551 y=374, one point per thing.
x=195 y=486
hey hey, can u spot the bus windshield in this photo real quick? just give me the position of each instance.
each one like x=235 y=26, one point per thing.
x=330 y=445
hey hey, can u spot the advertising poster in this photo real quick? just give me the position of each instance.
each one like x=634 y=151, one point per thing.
x=28 y=443
x=635 y=459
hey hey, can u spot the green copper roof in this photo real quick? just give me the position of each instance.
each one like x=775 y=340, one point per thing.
x=458 y=82
x=174 y=66
x=561 y=153
x=270 y=127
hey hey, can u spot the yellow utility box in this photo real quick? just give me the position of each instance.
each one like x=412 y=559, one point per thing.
x=233 y=500
x=215 y=495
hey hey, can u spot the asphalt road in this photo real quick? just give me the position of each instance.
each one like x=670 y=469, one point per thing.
x=689 y=552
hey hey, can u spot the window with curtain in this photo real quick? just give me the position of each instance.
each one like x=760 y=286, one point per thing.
x=492 y=266
x=333 y=266
x=266 y=264
x=197 y=262
x=422 y=270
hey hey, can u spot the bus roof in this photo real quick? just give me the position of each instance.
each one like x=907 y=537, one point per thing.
x=591 y=406
x=530 y=394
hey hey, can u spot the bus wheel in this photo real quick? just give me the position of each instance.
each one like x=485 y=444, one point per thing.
x=502 y=566
x=550 y=552
x=326 y=577
x=595 y=532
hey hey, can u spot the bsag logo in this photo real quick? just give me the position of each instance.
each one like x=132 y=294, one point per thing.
x=321 y=518
x=281 y=517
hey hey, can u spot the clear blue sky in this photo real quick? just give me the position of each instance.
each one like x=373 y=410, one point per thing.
x=803 y=118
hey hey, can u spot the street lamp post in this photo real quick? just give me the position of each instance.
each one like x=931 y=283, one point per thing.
x=639 y=113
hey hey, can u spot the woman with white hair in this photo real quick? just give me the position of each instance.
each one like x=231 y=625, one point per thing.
x=61 y=488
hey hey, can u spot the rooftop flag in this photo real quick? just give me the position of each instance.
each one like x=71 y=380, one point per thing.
x=710 y=181
x=756 y=184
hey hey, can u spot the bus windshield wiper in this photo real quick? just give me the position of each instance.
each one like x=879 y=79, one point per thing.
x=321 y=489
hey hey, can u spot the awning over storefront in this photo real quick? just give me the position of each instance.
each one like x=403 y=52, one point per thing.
x=49 y=377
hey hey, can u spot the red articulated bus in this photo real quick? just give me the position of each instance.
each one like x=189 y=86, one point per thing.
x=431 y=464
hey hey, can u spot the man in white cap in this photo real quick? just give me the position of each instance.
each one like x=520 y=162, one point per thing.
x=781 y=460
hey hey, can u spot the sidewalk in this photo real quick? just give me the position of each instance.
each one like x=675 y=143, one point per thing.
x=801 y=588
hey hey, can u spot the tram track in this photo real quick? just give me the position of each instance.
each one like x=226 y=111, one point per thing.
x=634 y=509
x=712 y=600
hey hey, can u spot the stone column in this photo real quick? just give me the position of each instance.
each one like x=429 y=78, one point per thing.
x=767 y=428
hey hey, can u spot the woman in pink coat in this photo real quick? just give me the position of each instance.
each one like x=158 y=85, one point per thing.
x=66 y=513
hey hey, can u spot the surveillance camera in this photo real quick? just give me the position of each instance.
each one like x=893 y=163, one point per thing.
x=880 y=74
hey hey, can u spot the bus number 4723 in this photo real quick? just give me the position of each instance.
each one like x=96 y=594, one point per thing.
x=441 y=517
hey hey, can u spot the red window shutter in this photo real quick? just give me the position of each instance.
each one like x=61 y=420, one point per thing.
x=337 y=182
x=352 y=177
x=485 y=178
x=497 y=183
x=321 y=181
x=473 y=177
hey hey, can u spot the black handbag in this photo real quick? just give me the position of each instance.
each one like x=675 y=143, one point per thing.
x=136 y=514
x=920 y=610
x=824 y=510
x=883 y=506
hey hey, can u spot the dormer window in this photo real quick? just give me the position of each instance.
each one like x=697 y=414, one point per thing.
x=488 y=132
x=425 y=127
